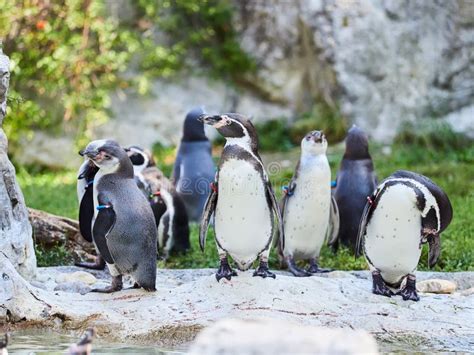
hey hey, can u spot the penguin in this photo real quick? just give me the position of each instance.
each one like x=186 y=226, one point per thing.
x=405 y=211
x=167 y=205
x=84 y=346
x=309 y=211
x=4 y=344
x=355 y=181
x=241 y=200
x=194 y=168
x=123 y=226
x=85 y=181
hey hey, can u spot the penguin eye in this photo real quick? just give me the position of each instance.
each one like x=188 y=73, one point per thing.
x=107 y=156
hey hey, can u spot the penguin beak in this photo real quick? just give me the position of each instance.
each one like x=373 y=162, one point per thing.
x=91 y=154
x=209 y=119
x=317 y=136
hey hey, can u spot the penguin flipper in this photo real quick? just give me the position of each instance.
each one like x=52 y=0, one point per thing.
x=364 y=220
x=434 y=242
x=207 y=213
x=278 y=214
x=103 y=224
x=333 y=228
x=86 y=214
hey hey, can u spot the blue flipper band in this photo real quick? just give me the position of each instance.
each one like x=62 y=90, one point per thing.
x=333 y=183
x=101 y=207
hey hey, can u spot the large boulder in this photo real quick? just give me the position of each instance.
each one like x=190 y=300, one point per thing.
x=16 y=242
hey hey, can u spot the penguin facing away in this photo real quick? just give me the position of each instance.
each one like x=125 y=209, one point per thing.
x=194 y=168
x=85 y=196
x=123 y=227
x=84 y=346
x=355 y=181
x=242 y=200
x=309 y=212
x=405 y=211
x=168 y=207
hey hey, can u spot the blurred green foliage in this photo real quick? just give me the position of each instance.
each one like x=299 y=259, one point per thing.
x=67 y=55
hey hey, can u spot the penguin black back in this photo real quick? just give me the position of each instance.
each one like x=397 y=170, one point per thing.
x=354 y=182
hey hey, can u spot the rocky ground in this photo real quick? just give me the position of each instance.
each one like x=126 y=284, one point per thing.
x=188 y=300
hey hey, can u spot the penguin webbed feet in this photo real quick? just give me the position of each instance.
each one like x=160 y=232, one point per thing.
x=295 y=270
x=263 y=271
x=116 y=285
x=408 y=292
x=98 y=264
x=225 y=271
x=379 y=287
x=315 y=269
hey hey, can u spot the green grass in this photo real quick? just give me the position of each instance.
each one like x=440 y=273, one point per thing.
x=55 y=192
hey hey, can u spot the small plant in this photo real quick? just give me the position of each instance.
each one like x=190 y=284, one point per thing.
x=273 y=136
x=57 y=255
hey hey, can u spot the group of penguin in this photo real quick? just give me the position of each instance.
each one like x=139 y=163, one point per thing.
x=129 y=209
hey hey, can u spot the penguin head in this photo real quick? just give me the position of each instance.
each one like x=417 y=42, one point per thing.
x=109 y=157
x=314 y=143
x=234 y=127
x=357 y=144
x=140 y=158
x=193 y=129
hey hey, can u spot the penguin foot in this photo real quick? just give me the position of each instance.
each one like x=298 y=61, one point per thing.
x=295 y=270
x=98 y=264
x=379 y=287
x=408 y=293
x=263 y=271
x=225 y=271
x=116 y=285
x=315 y=269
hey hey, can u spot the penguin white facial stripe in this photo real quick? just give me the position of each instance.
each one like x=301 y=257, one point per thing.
x=429 y=198
x=244 y=142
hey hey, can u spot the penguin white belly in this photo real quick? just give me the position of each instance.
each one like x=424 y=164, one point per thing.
x=243 y=220
x=392 y=241
x=307 y=213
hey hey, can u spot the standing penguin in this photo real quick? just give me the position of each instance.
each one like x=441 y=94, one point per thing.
x=123 y=228
x=309 y=212
x=168 y=207
x=85 y=196
x=406 y=211
x=354 y=182
x=241 y=199
x=194 y=169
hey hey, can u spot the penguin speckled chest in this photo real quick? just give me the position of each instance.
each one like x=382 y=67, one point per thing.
x=354 y=182
x=308 y=207
x=123 y=227
x=243 y=200
x=405 y=211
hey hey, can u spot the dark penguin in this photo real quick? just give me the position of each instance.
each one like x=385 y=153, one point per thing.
x=84 y=346
x=123 y=228
x=355 y=181
x=194 y=169
x=85 y=182
x=170 y=213
x=406 y=211
x=309 y=212
x=242 y=200
x=4 y=344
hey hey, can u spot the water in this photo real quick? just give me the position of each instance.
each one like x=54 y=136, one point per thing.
x=49 y=342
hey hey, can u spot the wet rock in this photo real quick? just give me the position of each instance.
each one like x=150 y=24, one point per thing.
x=235 y=336
x=436 y=286
x=468 y=292
x=78 y=276
x=73 y=287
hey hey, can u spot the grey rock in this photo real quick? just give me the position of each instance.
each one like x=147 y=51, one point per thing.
x=267 y=336
x=73 y=287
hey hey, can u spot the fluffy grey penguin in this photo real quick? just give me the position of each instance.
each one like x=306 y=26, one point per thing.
x=242 y=200
x=85 y=182
x=170 y=213
x=309 y=211
x=4 y=344
x=354 y=182
x=405 y=211
x=194 y=169
x=123 y=227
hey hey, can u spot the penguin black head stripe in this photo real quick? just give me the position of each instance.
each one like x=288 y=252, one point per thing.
x=109 y=157
x=357 y=144
x=234 y=126
x=140 y=158
x=193 y=129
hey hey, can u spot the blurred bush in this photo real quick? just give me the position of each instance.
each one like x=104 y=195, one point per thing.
x=67 y=55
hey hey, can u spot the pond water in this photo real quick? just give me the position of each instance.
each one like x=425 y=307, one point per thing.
x=47 y=342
